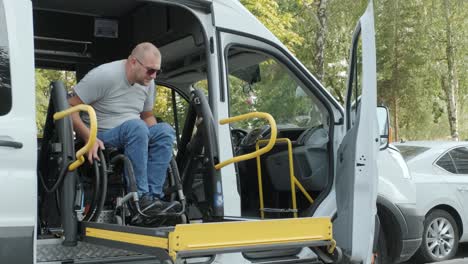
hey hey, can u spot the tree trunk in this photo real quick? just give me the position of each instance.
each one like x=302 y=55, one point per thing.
x=320 y=38
x=395 y=119
x=451 y=107
x=395 y=71
x=450 y=85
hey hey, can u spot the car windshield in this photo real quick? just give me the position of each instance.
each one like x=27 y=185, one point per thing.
x=409 y=152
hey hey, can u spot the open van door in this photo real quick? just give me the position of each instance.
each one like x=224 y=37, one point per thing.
x=17 y=134
x=356 y=180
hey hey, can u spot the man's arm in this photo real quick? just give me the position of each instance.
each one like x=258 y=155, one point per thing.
x=149 y=118
x=83 y=131
x=78 y=125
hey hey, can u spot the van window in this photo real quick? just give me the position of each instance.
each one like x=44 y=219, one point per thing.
x=355 y=83
x=165 y=111
x=5 y=80
x=257 y=82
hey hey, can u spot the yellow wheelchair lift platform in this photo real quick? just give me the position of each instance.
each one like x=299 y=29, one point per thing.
x=202 y=239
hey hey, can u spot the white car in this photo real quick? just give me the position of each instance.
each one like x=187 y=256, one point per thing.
x=440 y=172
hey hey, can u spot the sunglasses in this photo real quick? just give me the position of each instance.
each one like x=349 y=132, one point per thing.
x=149 y=70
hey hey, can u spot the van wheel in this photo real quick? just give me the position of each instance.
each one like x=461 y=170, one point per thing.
x=381 y=256
x=440 y=237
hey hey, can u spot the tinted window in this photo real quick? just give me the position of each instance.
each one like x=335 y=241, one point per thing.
x=409 y=152
x=460 y=158
x=5 y=81
x=446 y=163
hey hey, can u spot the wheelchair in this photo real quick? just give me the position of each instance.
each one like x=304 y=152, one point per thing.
x=104 y=192
x=107 y=193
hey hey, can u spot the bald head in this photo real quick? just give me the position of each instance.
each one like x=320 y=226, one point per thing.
x=144 y=49
x=143 y=64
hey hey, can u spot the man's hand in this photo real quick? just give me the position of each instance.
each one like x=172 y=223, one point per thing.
x=149 y=118
x=83 y=131
x=93 y=152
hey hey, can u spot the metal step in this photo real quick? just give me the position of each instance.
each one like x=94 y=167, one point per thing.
x=279 y=210
x=52 y=251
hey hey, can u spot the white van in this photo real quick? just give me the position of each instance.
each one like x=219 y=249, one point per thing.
x=215 y=45
x=401 y=223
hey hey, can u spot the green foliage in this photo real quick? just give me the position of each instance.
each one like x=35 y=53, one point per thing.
x=164 y=109
x=276 y=93
x=43 y=79
x=276 y=16
x=411 y=54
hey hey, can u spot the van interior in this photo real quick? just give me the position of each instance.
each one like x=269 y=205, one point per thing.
x=80 y=35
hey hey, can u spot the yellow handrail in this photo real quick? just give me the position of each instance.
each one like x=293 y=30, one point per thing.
x=292 y=178
x=259 y=152
x=92 y=134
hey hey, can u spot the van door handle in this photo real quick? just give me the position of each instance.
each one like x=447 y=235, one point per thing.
x=11 y=144
x=462 y=189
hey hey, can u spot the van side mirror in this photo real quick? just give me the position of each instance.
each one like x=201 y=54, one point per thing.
x=384 y=126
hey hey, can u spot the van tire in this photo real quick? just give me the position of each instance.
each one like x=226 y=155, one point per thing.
x=424 y=254
x=381 y=254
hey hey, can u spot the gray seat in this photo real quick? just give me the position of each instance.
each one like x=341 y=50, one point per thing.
x=311 y=162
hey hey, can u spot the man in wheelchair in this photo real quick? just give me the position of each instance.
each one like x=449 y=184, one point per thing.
x=122 y=94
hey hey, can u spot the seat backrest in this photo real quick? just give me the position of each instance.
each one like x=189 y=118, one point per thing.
x=311 y=162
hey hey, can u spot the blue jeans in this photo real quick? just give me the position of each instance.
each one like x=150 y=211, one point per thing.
x=148 y=148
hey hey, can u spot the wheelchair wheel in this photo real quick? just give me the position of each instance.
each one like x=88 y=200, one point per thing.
x=173 y=183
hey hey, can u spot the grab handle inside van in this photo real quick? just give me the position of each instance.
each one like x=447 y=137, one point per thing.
x=92 y=135
x=259 y=152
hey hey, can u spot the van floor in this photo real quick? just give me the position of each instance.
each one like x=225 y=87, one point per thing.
x=52 y=251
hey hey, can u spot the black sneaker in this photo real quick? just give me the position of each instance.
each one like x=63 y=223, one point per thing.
x=152 y=206
x=145 y=201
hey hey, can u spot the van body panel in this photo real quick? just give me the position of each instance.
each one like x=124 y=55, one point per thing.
x=394 y=178
x=357 y=179
x=18 y=163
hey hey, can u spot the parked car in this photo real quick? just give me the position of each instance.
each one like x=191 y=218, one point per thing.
x=440 y=172
x=400 y=221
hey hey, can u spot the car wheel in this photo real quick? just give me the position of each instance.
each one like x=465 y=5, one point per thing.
x=440 y=237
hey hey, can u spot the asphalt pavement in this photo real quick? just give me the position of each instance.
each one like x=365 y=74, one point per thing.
x=460 y=258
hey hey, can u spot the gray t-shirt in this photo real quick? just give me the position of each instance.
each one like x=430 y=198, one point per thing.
x=114 y=100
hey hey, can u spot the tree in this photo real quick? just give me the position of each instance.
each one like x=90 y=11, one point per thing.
x=277 y=19
x=398 y=77
x=327 y=27
x=450 y=82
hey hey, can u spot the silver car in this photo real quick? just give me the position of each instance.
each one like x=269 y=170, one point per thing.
x=440 y=172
